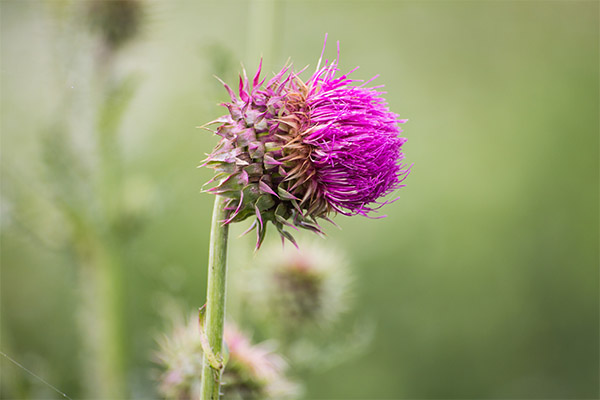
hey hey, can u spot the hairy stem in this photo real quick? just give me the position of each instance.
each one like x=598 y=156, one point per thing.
x=215 y=299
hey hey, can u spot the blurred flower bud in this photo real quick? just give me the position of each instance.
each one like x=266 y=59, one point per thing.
x=117 y=21
x=297 y=289
x=254 y=371
x=180 y=355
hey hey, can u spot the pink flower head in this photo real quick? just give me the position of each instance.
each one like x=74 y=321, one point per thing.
x=293 y=151
x=253 y=371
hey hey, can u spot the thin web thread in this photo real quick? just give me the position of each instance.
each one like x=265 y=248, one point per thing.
x=34 y=375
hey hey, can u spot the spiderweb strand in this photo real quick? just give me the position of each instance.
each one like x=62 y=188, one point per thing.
x=35 y=376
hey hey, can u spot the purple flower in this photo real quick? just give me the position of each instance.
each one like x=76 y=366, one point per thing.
x=293 y=151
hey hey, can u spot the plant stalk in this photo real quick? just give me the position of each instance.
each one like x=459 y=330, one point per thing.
x=215 y=299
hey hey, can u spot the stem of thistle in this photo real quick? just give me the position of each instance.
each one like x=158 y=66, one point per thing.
x=215 y=300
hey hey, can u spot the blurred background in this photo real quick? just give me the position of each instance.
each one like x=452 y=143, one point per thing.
x=482 y=282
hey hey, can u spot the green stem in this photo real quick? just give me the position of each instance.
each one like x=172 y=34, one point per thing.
x=215 y=299
x=110 y=350
x=101 y=308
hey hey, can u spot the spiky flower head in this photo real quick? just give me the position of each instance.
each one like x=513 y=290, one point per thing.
x=296 y=290
x=292 y=152
x=253 y=371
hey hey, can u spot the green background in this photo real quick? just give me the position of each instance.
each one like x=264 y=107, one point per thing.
x=482 y=281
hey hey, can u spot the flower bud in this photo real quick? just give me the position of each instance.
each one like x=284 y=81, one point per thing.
x=253 y=371
x=298 y=290
x=117 y=21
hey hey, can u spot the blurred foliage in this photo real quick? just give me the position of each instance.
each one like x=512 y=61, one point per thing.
x=483 y=279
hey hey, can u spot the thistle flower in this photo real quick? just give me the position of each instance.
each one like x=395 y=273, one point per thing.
x=116 y=20
x=253 y=371
x=292 y=152
x=297 y=290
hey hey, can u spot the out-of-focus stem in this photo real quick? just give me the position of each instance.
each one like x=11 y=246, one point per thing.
x=105 y=258
x=101 y=288
x=215 y=299
x=107 y=275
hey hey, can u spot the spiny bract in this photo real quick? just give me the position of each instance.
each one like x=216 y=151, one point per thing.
x=293 y=151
